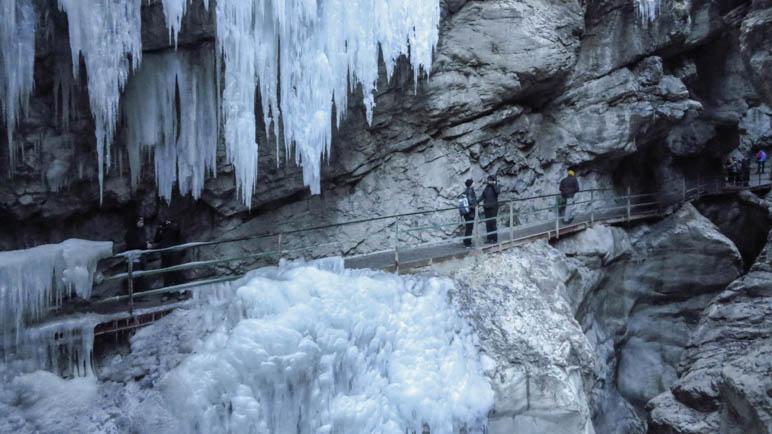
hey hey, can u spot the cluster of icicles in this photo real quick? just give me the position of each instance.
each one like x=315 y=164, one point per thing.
x=304 y=56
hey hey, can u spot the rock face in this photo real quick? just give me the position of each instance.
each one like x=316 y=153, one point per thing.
x=724 y=383
x=655 y=281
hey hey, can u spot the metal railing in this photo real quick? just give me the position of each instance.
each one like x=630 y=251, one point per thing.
x=399 y=234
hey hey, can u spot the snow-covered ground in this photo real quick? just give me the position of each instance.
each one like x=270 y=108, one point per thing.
x=303 y=347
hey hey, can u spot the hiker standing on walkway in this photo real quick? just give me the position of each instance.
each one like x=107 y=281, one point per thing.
x=467 y=202
x=169 y=235
x=490 y=201
x=569 y=186
x=761 y=160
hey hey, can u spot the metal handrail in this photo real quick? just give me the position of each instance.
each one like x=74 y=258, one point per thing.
x=615 y=205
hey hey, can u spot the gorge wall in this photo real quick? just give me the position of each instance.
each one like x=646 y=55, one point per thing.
x=653 y=328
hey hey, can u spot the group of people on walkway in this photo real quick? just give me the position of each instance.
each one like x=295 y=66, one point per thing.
x=468 y=201
x=738 y=169
x=139 y=237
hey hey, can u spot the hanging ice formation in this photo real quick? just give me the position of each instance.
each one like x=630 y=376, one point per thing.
x=303 y=55
x=107 y=34
x=17 y=63
x=174 y=10
x=33 y=280
x=170 y=105
x=647 y=11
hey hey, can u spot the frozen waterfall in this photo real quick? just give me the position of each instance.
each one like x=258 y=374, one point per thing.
x=302 y=347
x=106 y=33
x=304 y=55
x=17 y=63
x=170 y=105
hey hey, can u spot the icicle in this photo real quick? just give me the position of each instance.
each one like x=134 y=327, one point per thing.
x=33 y=280
x=174 y=10
x=185 y=150
x=648 y=10
x=305 y=54
x=107 y=34
x=17 y=63
x=63 y=347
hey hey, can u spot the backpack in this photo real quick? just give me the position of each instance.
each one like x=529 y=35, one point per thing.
x=463 y=205
x=762 y=156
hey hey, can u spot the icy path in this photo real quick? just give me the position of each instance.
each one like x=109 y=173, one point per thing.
x=308 y=348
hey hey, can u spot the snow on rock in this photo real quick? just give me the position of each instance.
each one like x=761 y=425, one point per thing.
x=106 y=33
x=33 y=280
x=303 y=56
x=538 y=357
x=184 y=142
x=17 y=62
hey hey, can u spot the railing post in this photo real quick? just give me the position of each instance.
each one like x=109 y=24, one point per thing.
x=557 y=217
x=592 y=207
x=511 y=222
x=684 y=189
x=629 y=210
x=396 y=246
x=476 y=232
x=130 y=277
x=280 y=246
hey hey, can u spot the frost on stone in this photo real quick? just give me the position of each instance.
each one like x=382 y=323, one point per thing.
x=305 y=56
x=34 y=280
x=17 y=63
x=106 y=33
x=170 y=106
x=314 y=348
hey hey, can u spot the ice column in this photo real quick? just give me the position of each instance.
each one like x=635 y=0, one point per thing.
x=17 y=63
x=184 y=137
x=107 y=34
x=174 y=10
x=305 y=55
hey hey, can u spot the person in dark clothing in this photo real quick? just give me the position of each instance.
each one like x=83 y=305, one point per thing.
x=569 y=186
x=490 y=201
x=169 y=235
x=745 y=171
x=137 y=238
x=471 y=198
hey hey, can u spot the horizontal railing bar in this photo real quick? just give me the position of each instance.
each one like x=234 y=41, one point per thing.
x=316 y=228
x=167 y=289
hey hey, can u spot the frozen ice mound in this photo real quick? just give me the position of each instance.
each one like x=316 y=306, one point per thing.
x=315 y=348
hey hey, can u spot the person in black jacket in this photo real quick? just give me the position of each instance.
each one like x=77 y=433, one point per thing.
x=569 y=186
x=490 y=201
x=169 y=235
x=471 y=198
